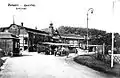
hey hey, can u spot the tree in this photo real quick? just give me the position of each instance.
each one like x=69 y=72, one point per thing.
x=94 y=34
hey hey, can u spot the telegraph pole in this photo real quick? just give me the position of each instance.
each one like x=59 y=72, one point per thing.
x=112 y=48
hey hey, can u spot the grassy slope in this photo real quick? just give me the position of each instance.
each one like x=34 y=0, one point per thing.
x=98 y=65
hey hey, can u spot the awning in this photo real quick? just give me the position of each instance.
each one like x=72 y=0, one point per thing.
x=57 y=44
x=7 y=35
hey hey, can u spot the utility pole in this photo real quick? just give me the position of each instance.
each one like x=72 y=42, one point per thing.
x=112 y=48
x=112 y=58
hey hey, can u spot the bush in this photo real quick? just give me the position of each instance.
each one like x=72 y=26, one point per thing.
x=98 y=65
x=116 y=69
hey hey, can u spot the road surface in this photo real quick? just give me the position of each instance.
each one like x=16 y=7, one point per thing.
x=47 y=66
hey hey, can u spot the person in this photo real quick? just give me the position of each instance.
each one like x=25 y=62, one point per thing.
x=11 y=53
x=1 y=62
x=59 y=52
x=1 y=53
x=55 y=52
x=50 y=52
x=76 y=51
x=67 y=51
x=62 y=48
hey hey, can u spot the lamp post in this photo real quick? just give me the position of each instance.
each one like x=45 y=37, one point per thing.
x=91 y=11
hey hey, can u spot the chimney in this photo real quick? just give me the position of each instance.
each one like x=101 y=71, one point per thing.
x=22 y=24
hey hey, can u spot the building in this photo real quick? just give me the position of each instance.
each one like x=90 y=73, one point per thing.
x=9 y=43
x=29 y=38
x=55 y=36
x=73 y=39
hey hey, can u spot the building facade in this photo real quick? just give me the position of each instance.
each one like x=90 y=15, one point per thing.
x=75 y=40
x=29 y=38
x=9 y=43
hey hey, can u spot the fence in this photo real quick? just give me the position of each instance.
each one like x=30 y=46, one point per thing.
x=117 y=58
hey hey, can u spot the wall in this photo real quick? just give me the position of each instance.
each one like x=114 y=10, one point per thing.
x=6 y=45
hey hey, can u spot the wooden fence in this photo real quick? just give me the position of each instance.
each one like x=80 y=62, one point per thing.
x=116 y=58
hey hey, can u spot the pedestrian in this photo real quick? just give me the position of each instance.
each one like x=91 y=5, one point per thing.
x=67 y=52
x=1 y=53
x=55 y=52
x=76 y=51
x=11 y=53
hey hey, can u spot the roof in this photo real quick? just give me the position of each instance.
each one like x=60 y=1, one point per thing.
x=67 y=36
x=3 y=28
x=57 y=44
x=28 y=29
x=49 y=31
x=46 y=30
x=95 y=45
x=7 y=35
x=34 y=30
x=72 y=36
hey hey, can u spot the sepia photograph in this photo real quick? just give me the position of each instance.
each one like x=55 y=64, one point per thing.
x=59 y=39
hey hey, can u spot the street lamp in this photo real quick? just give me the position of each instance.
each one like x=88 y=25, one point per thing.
x=91 y=11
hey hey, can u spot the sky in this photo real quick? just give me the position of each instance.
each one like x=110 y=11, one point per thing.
x=62 y=13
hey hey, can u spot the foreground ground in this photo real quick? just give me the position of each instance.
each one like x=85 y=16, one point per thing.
x=47 y=66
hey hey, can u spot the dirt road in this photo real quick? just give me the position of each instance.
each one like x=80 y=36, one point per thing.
x=47 y=66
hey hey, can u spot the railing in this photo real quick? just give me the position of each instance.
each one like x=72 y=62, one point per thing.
x=116 y=58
